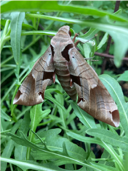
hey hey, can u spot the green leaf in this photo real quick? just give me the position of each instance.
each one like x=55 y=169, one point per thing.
x=54 y=6
x=36 y=115
x=98 y=4
x=85 y=118
x=55 y=142
x=7 y=153
x=25 y=122
x=123 y=77
x=31 y=165
x=116 y=92
x=20 y=152
x=55 y=119
x=104 y=168
x=40 y=152
x=16 y=27
x=97 y=141
x=75 y=151
x=103 y=41
x=90 y=34
x=5 y=116
x=22 y=140
x=9 y=146
x=118 y=31
x=82 y=138
x=49 y=97
x=87 y=50
x=110 y=137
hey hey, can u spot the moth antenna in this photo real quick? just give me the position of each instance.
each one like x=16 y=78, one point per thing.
x=90 y=39
x=91 y=58
x=78 y=41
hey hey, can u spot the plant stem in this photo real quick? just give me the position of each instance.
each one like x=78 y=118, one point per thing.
x=3 y=38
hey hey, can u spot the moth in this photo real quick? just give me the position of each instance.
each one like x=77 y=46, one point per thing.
x=75 y=75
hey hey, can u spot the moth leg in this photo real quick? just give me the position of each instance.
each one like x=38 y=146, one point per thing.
x=71 y=82
x=78 y=41
x=74 y=37
x=54 y=77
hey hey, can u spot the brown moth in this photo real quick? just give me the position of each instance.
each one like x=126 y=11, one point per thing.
x=75 y=75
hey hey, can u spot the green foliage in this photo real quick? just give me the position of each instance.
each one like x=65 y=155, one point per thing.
x=123 y=77
x=50 y=136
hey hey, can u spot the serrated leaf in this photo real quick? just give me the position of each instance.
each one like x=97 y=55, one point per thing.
x=22 y=140
x=36 y=115
x=55 y=142
x=40 y=153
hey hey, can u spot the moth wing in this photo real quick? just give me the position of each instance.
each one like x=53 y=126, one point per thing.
x=32 y=89
x=92 y=94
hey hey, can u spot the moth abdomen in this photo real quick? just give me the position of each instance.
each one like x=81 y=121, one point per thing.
x=64 y=78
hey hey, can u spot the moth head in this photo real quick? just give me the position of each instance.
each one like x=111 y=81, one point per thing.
x=65 y=29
